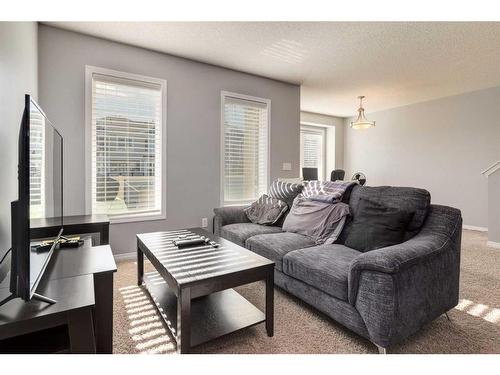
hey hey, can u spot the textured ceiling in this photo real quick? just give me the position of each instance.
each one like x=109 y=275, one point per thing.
x=391 y=63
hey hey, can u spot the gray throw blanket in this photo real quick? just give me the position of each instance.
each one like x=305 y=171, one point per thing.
x=333 y=189
x=320 y=221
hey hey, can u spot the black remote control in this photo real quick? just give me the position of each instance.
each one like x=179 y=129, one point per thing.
x=71 y=243
x=189 y=243
x=41 y=248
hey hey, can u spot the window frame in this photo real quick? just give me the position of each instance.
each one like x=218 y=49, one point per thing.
x=267 y=102
x=133 y=217
x=315 y=129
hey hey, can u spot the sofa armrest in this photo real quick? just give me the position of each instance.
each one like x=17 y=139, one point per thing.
x=437 y=235
x=229 y=215
x=398 y=288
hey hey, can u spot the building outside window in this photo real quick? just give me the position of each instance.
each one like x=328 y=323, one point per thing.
x=312 y=149
x=245 y=148
x=126 y=140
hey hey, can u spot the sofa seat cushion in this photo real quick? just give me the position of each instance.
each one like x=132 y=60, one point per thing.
x=240 y=232
x=276 y=245
x=324 y=267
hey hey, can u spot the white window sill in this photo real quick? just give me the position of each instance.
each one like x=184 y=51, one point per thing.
x=243 y=203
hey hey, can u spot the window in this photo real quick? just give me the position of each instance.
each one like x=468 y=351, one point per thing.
x=245 y=148
x=126 y=134
x=37 y=165
x=312 y=149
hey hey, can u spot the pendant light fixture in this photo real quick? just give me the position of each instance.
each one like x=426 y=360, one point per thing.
x=361 y=122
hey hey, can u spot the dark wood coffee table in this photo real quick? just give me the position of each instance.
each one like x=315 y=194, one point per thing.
x=191 y=287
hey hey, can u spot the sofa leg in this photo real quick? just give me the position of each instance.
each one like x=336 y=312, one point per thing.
x=381 y=350
x=447 y=316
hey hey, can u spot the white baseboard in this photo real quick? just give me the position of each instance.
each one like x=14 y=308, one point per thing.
x=473 y=227
x=495 y=245
x=125 y=256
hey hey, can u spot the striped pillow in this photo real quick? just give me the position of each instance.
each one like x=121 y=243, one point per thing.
x=285 y=191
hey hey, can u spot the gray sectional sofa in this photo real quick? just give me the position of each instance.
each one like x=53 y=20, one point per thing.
x=384 y=295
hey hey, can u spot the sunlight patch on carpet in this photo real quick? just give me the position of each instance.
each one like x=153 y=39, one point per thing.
x=144 y=325
x=490 y=314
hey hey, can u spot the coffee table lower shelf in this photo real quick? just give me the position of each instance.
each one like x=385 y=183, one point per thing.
x=212 y=316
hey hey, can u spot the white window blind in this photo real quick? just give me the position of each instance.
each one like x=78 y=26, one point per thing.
x=312 y=141
x=37 y=163
x=126 y=142
x=245 y=149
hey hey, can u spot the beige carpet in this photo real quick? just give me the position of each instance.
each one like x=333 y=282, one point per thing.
x=474 y=326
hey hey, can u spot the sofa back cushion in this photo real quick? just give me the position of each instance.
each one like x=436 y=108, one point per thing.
x=409 y=199
x=377 y=225
x=285 y=191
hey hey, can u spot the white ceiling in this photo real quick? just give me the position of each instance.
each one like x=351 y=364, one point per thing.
x=391 y=63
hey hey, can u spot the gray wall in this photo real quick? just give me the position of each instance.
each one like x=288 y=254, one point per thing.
x=193 y=122
x=440 y=145
x=18 y=76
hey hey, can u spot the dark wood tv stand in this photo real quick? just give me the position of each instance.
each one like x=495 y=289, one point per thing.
x=78 y=279
x=79 y=224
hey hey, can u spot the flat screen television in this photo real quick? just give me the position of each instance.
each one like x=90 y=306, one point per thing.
x=40 y=197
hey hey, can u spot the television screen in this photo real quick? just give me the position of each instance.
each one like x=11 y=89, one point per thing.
x=45 y=185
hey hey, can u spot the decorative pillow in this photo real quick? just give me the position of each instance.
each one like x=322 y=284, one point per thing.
x=266 y=210
x=319 y=221
x=406 y=198
x=285 y=191
x=375 y=226
x=334 y=189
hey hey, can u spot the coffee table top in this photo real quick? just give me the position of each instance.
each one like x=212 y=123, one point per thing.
x=194 y=264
